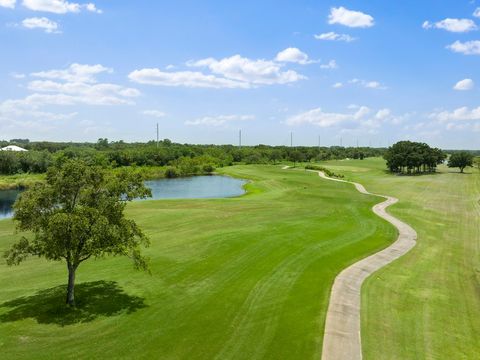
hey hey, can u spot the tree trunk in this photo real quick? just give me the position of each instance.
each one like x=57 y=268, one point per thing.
x=71 y=285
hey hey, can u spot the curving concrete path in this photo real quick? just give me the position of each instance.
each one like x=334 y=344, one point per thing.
x=342 y=340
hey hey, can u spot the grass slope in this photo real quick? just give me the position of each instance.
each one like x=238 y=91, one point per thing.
x=426 y=305
x=241 y=278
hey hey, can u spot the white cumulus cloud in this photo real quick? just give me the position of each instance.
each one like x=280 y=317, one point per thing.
x=321 y=118
x=219 y=120
x=460 y=114
x=476 y=13
x=332 y=64
x=466 y=48
x=350 y=18
x=464 y=85
x=58 y=6
x=257 y=72
x=43 y=23
x=293 y=55
x=75 y=73
x=452 y=25
x=192 y=79
x=8 y=3
x=333 y=36
x=368 y=84
x=231 y=72
x=154 y=113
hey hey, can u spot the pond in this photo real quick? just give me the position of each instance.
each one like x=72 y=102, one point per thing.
x=7 y=198
x=195 y=187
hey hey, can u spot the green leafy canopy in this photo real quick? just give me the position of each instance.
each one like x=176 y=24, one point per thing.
x=78 y=213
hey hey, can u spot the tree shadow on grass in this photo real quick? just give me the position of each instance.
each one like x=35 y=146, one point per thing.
x=93 y=299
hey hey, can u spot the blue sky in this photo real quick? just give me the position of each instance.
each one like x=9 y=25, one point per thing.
x=372 y=71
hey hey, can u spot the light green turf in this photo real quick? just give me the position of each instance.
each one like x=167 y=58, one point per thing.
x=19 y=180
x=241 y=278
x=427 y=304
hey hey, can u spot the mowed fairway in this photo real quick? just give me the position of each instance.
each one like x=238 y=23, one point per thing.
x=426 y=305
x=241 y=278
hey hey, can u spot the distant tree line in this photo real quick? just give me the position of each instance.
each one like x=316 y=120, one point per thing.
x=181 y=159
x=413 y=157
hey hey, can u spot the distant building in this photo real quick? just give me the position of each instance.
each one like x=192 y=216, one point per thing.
x=12 y=148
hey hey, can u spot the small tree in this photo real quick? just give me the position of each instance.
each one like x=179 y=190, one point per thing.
x=296 y=156
x=78 y=213
x=460 y=159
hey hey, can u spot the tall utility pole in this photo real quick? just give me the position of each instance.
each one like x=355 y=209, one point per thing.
x=157 y=135
x=239 y=138
x=291 y=139
x=319 y=143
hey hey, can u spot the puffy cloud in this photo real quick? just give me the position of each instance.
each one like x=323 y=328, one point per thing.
x=154 y=113
x=357 y=118
x=257 y=72
x=58 y=6
x=333 y=36
x=75 y=73
x=231 y=72
x=452 y=25
x=466 y=48
x=93 y=8
x=332 y=64
x=350 y=18
x=368 y=84
x=75 y=85
x=70 y=93
x=324 y=119
x=192 y=79
x=460 y=114
x=476 y=13
x=293 y=55
x=8 y=3
x=43 y=23
x=464 y=85
x=220 y=120
x=383 y=114
x=29 y=107
x=337 y=85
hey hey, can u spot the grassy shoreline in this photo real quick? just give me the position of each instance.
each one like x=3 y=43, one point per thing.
x=19 y=181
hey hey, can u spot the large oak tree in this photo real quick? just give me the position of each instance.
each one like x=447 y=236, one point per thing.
x=78 y=214
x=460 y=159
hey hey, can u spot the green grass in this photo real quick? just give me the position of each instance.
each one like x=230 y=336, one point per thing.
x=240 y=278
x=9 y=182
x=426 y=305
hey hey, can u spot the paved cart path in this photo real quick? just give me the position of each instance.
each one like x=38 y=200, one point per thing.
x=342 y=339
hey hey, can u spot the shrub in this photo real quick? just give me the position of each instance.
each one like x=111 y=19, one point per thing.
x=327 y=172
x=171 y=172
x=208 y=168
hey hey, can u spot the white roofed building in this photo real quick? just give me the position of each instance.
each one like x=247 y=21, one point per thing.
x=12 y=148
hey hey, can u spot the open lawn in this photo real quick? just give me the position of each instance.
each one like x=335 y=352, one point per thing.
x=426 y=305
x=241 y=278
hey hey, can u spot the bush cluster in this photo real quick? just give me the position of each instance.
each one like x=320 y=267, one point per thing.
x=327 y=172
